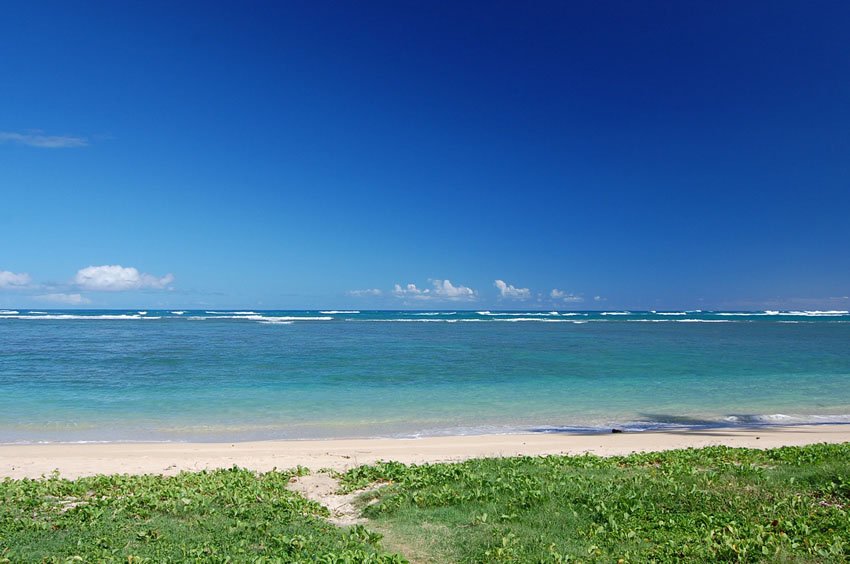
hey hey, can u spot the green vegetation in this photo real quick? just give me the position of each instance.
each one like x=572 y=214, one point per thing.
x=226 y=515
x=707 y=505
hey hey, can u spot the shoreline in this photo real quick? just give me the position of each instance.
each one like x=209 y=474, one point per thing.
x=74 y=460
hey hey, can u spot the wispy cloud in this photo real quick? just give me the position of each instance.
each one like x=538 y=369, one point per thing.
x=510 y=291
x=567 y=297
x=68 y=299
x=14 y=280
x=39 y=139
x=116 y=278
x=442 y=290
x=366 y=292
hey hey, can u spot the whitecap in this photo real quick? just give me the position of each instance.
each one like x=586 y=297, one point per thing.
x=616 y=313
x=515 y=314
x=292 y=318
x=232 y=312
x=703 y=321
x=273 y=318
x=70 y=316
x=339 y=312
x=818 y=313
x=538 y=319
x=402 y=320
x=178 y=312
x=736 y=313
x=437 y=313
x=8 y=312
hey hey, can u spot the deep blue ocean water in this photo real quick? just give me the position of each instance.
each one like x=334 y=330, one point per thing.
x=226 y=376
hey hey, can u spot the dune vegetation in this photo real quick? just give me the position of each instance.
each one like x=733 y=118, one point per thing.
x=700 y=505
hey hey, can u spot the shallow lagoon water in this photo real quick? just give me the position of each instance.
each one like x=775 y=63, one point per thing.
x=226 y=376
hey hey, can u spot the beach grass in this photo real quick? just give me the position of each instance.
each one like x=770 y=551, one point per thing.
x=700 y=505
x=225 y=515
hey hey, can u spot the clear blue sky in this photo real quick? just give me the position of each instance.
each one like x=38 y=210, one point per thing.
x=286 y=154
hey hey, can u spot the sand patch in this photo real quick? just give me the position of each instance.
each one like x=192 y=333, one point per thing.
x=322 y=488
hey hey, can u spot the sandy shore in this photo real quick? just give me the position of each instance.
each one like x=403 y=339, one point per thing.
x=74 y=460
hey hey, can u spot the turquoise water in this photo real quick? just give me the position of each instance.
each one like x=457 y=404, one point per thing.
x=226 y=376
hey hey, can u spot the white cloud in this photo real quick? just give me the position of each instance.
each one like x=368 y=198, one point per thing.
x=366 y=292
x=410 y=291
x=442 y=290
x=113 y=278
x=510 y=291
x=69 y=299
x=598 y=299
x=13 y=280
x=557 y=294
x=38 y=139
x=445 y=289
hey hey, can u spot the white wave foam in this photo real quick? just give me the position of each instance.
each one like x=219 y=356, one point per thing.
x=298 y=318
x=151 y=317
x=142 y=313
x=817 y=313
x=501 y=320
x=410 y=320
x=703 y=321
x=232 y=312
x=538 y=319
x=178 y=312
x=735 y=314
x=272 y=319
x=769 y=312
x=670 y=312
x=616 y=313
x=436 y=313
x=339 y=312
x=766 y=418
x=38 y=312
x=70 y=316
x=8 y=312
x=526 y=314
x=277 y=322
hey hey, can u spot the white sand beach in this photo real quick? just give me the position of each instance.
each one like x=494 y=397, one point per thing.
x=75 y=460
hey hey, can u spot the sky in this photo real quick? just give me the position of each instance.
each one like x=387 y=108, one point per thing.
x=445 y=155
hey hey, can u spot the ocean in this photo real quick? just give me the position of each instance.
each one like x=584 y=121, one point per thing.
x=80 y=376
